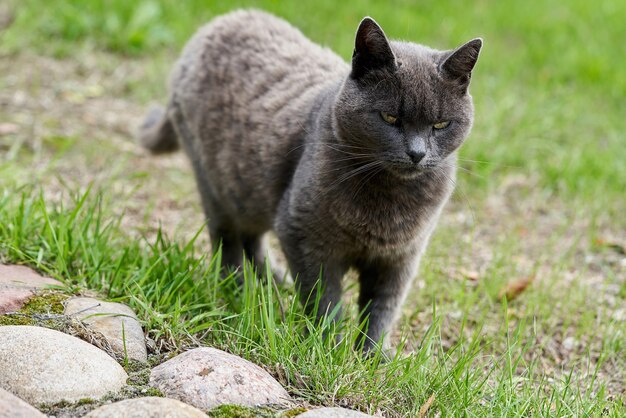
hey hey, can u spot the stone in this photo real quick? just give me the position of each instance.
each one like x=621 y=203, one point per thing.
x=207 y=377
x=13 y=407
x=149 y=407
x=569 y=343
x=18 y=284
x=41 y=365
x=108 y=318
x=333 y=413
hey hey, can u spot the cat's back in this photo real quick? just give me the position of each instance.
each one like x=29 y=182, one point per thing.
x=251 y=57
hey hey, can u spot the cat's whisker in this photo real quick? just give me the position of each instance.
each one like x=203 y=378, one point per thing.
x=466 y=160
x=350 y=174
x=375 y=167
x=353 y=173
x=470 y=172
x=491 y=163
x=366 y=173
x=442 y=171
x=354 y=162
x=366 y=179
x=294 y=148
x=335 y=145
x=344 y=151
x=332 y=145
x=344 y=167
x=355 y=156
x=339 y=144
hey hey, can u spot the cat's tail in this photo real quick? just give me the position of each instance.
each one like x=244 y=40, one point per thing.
x=157 y=133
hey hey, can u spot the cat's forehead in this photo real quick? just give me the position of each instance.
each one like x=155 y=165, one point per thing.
x=416 y=61
x=418 y=72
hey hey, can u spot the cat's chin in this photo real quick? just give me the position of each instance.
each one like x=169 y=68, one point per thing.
x=407 y=171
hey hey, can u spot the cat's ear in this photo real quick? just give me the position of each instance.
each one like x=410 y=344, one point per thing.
x=371 y=49
x=458 y=65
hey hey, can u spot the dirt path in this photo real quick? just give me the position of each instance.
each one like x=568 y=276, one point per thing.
x=72 y=126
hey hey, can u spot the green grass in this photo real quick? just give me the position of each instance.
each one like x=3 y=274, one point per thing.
x=542 y=186
x=178 y=293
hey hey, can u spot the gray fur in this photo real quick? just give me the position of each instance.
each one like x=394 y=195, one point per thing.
x=283 y=134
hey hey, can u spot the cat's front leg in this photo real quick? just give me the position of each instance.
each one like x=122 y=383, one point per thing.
x=384 y=286
x=315 y=272
x=318 y=281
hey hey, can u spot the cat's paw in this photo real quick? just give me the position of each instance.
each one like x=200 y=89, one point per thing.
x=281 y=275
x=376 y=353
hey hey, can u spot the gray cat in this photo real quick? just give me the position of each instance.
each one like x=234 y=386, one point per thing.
x=349 y=164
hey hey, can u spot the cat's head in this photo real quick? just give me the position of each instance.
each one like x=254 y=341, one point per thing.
x=404 y=104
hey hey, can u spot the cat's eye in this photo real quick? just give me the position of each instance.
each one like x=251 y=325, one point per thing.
x=441 y=125
x=390 y=119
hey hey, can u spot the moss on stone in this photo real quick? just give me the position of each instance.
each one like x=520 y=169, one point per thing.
x=85 y=401
x=135 y=366
x=154 y=392
x=233 y=411
x=138 y=373
x=16 y=320
x=238 y=411
x=137 y=384
x=36 y=309
x=69 y=409
x=293 y=412
x=48 y=302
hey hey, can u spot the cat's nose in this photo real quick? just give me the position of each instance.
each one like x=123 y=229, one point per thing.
x=416 y=156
